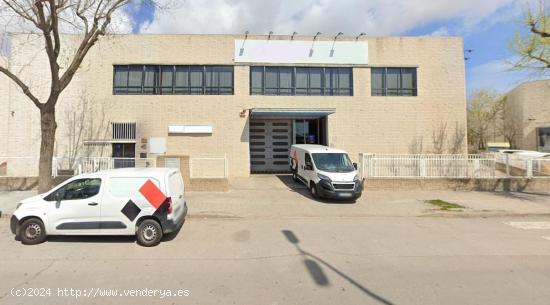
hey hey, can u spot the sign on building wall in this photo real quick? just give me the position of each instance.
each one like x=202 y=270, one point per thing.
x=301 y=52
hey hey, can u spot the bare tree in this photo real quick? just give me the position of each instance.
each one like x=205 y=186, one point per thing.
x=456 y=142
x=483 y=110
x=90 y=18
x=416 y=146
x=84 y=120
x=439 y=135
x=507 y=125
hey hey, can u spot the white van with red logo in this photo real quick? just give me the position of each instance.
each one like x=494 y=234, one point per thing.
x=327 y=172
x=144 y=202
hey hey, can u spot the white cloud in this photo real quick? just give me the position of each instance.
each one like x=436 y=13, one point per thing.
x=377 y=17
x=442 y=31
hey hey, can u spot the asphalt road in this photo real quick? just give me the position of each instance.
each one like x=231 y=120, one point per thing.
x=314 y=260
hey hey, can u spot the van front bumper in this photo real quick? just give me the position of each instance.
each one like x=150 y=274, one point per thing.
x=326 y=190
x=176 y=222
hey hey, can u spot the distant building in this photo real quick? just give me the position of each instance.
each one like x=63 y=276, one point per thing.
x=528 y=108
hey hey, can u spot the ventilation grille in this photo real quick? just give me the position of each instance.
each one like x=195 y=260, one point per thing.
x=124 y=131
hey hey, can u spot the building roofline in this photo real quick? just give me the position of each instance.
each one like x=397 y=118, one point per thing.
x=527 y=83
x=264 y=36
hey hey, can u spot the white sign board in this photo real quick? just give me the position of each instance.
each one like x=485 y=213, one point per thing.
x=301 y=52
x=183 y=129
x=157 y=145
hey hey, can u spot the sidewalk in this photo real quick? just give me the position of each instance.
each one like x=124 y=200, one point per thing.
x=277 y=196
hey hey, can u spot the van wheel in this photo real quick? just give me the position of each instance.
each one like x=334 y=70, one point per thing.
x=32 y=232
x=295 y=176
x=149 y=233
x=313 y=190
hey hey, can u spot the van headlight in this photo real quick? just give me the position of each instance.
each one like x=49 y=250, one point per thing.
x=323 y=177
x=356 y=178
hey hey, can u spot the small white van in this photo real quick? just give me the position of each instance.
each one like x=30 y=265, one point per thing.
x=145 y=202
x=327 y=172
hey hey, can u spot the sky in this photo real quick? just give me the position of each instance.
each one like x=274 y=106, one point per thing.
x=487 y=26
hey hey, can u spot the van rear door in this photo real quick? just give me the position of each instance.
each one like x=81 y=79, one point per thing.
x=176 y=191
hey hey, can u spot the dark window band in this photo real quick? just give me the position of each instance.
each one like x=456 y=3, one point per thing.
x=393 y=82
x=172 y=80
x=315 y=81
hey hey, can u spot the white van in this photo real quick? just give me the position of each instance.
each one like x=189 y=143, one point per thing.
x=145 y=202
x=327 y=172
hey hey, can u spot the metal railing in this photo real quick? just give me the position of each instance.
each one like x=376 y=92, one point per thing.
x=74 y=166
x=426 y=166
x=513 y=165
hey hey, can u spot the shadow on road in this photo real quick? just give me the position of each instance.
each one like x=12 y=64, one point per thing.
x=314 y=265
x=524 y=196
x=300 y=188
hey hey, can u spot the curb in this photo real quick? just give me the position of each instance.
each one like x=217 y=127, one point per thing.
x=427 y=215
x=484 y=215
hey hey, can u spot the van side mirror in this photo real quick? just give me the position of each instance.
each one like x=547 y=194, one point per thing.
x=57 y=196
x=354 y=165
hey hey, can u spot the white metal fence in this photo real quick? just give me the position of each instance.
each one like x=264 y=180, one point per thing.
x=74 y=166
x=513 y=165
x=426 y=166
x=216 y=167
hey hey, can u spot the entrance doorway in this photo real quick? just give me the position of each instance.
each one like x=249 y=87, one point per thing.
x=310 y=131
x=270 y=141
x=124 y=154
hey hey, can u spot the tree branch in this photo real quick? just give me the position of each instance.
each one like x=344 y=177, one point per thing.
x=23 y=86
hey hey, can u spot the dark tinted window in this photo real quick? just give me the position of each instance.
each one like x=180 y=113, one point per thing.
x=76 y=190
x=170 y=79
x=314 y=81
x=393 y=82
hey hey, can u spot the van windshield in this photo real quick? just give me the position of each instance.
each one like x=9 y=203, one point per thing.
x=333 y=162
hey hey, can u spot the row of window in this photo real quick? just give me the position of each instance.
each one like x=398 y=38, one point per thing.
x=393 y=82
x=166 y=80
x=268 y=80
x=301 y=81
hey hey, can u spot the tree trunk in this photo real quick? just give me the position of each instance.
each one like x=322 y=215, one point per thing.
x=47 y=127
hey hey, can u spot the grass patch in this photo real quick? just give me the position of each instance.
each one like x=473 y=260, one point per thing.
x=444 y=205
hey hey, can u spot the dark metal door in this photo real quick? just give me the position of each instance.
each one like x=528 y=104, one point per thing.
x=270 y=142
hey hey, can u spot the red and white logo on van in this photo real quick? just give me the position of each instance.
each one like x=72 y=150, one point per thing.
x=156 y=199
x=294 y=160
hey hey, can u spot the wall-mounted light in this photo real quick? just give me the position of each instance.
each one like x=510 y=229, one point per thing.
x=241 y=51
x=359 y=36
x=242 y=114
x=333 y=43
x=313 y=43
x=293 y=34
x=315 y=37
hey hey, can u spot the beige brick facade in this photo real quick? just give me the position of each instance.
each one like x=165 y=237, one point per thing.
x=529 y=105
x=361 y=123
